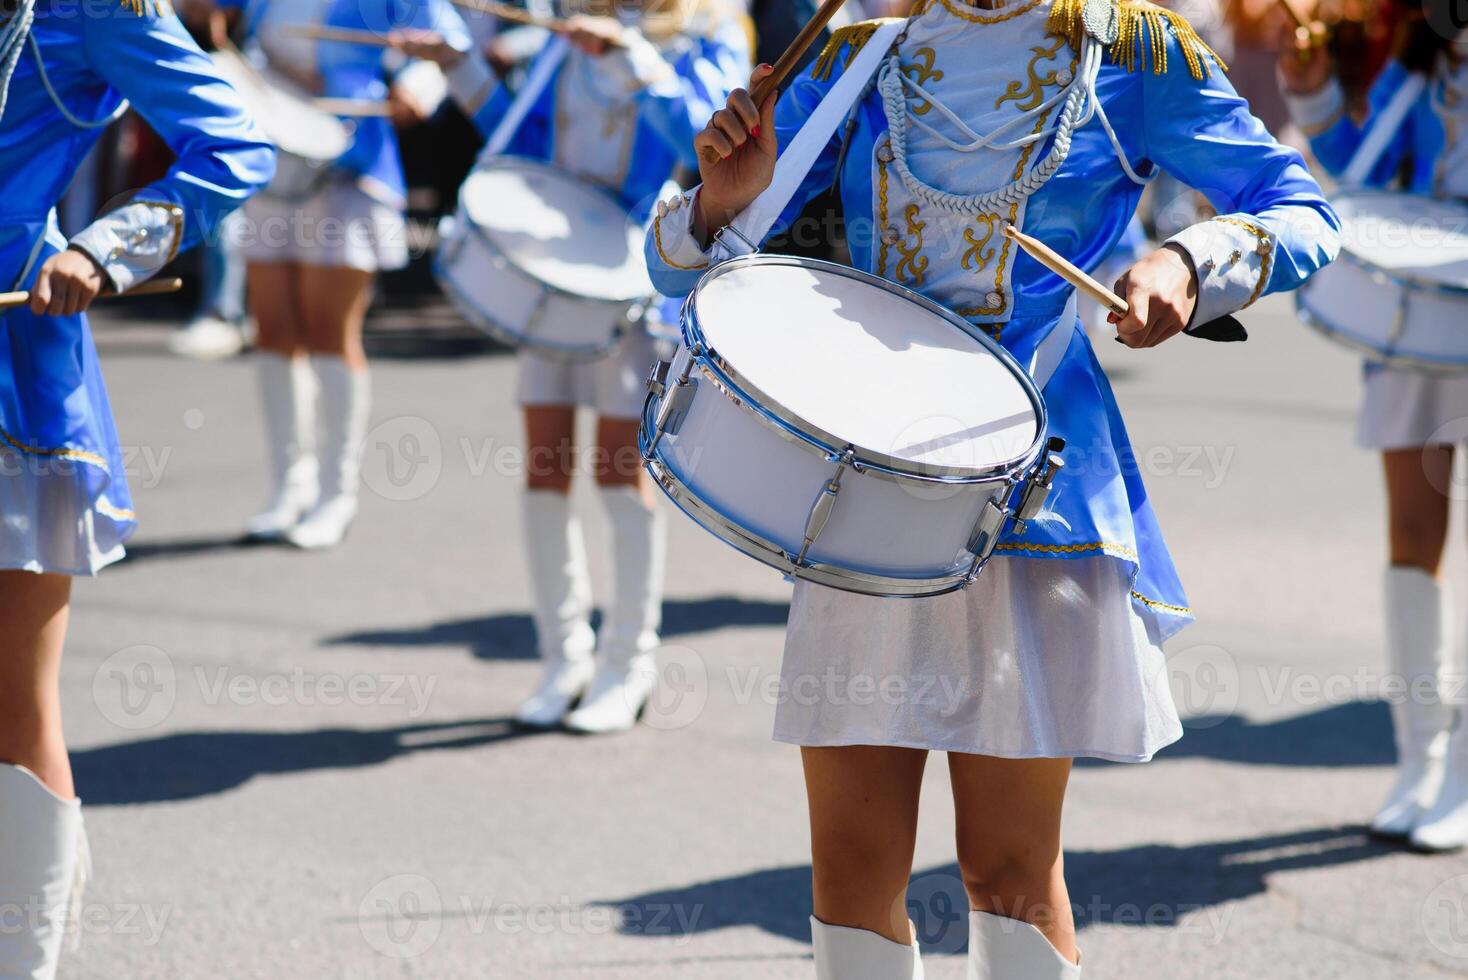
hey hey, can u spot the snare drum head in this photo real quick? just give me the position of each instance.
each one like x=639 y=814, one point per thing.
x=864 y=364
x=1406 y=235
x=561 y=231
x=284 y=110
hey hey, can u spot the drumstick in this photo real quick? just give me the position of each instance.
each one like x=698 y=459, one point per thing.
x=9 y=301
x=787 y=62
x=347 y=35
x=353 y=107
x=1071 y=273
x=1225 y=328
x=1307 y=31
x=515 y=15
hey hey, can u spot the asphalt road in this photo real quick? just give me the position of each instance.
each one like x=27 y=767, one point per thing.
x=299 y=766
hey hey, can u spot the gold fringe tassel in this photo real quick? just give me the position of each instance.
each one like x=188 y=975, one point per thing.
x=1142 y=36
x=142 y=8
x=855 y=35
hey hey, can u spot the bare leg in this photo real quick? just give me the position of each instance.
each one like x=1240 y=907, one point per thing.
x=863 y=803
x=334 y=302
x=1417 y=507
x=618 y=461
x=550 y=447
x=1008 y=813
x=34 y=609
x=275 y=299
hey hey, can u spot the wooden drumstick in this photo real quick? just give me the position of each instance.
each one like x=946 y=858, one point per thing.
x=1307 y=31
x=9 y=301
x=347 y=35
x=512 y=14
x=1067 y=270
x=353 y=107
x=787 y=61
x=1225 y=328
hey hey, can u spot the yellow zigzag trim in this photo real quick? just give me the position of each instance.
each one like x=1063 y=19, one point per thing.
x=855 y=35
x=1143 y=36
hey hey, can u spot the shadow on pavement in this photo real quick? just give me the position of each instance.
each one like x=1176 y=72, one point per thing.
x=1157 y=885
x=146 y=550
x=1358 y=733
x=511 y=636
x=188 y=765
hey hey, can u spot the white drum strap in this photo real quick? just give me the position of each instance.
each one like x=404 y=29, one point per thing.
x=1051 y=351
x=749 y=229
x=1388 y=123
x=540 y=76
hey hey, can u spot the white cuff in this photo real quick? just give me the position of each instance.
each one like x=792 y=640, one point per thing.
x=471 y=82
x=1233 y=256
x=637 y=64
x=134 y=241
x=672 y=233
x=425 y=81
x=1316 y=112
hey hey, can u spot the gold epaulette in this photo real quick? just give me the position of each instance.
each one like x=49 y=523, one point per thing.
x=853 y=37
x=142 y=8
x=1141 y=35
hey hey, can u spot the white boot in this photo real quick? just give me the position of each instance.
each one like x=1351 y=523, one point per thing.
x=1418 y=627
x=560 y=588
x=288 y=400
x=1008 y=949
x=346 y=401
x=626 y=673
x=844 y=953
x=43 y=865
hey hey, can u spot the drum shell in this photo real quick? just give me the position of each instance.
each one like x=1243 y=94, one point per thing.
x=1396 y=321
x=297 y=178
x=515 y=308
x=751 y=480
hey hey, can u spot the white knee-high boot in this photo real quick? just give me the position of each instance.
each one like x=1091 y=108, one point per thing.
x=626 y=672
x=288 y=402
x=43 y=864
x=560 y=587
x=346 y=402
x=844 y=953
x=1008 y=949
x=1418 y=627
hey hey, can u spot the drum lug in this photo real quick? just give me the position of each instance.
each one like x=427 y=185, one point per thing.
x=657 y=382
x=1037 y=489
x=822 y=507
x=676 y=398
x=986 y=534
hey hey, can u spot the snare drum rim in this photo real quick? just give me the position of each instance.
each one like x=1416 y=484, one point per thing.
x=771 y=554
x=1418 y=283
x=508 y=162
x=1375 y=355
x=749 y=396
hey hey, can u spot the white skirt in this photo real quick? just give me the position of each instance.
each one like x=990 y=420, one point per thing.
x=340 y=226
x=614 y=386
x=1405 y=409
x=1039 y=658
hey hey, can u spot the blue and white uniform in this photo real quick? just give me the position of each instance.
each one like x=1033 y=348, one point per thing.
x=1402 y=408
x=624 y=121
x=64 y=501
x=356 y=219
x=1056 y=649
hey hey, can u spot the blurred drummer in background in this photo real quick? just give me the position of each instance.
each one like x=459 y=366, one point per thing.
x=312 y=261
x=620 y=113
x=1405 y=413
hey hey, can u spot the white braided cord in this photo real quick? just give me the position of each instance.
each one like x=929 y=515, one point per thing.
x=12 y=42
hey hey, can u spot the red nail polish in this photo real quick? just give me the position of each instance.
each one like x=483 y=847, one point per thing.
x=754 y=132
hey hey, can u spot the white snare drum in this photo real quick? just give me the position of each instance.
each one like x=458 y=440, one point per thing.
x=844 y=429
x=539 y=259
x=307 y=140
x=1399 y=291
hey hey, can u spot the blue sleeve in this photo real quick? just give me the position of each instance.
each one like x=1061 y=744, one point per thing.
x=677 y=107
x=222 y=157
x=1336 y=145
x=1274 y=227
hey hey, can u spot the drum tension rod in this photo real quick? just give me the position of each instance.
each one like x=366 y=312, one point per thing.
x=675 y=399
x=823 y=505
x=1037 y=491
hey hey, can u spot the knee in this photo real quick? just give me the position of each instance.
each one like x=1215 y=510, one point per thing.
x=1008 y=877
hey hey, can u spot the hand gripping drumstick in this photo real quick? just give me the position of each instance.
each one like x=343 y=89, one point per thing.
x=787 y=62
x=1307 y=31
x=9 y=301
x=1223 y=329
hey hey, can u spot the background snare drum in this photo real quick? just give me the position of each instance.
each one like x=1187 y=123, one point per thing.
x=539 y=259
x=843 y=429
x=1399 y=291
x=308 y=140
